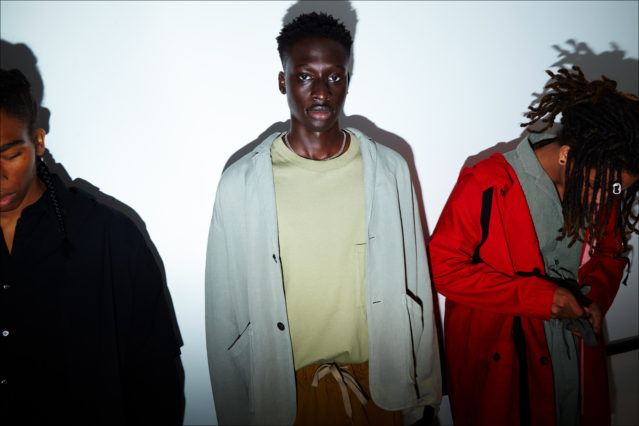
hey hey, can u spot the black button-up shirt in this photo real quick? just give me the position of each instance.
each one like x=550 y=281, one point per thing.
x=86 y=334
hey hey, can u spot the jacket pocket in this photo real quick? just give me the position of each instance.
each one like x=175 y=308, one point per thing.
x=415 y=312
x=241 y=352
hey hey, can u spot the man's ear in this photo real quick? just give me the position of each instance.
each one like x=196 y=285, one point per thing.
x=563 y=154
x=38 y=140
x=281 y=82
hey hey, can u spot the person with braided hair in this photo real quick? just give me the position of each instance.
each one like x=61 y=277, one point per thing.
x=87 y=333
x=529 y=252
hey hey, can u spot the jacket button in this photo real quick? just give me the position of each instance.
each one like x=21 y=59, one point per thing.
x=543 y=360
x=280 y=326
x=496 y=356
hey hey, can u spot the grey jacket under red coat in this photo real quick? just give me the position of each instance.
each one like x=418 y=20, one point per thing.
x=483 y=299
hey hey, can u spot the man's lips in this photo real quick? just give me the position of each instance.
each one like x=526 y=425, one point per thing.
x=320 y=111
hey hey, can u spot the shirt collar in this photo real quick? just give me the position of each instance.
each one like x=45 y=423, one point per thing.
x=526 y=154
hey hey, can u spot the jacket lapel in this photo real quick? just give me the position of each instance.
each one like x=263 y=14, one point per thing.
x=518 y=228
x=368 y=150
x=261 y=181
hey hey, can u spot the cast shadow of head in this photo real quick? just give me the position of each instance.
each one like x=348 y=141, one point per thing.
x=344 y=11
x=612 y=63
x=20 y=56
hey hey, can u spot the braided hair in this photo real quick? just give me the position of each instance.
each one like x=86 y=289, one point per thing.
x=601 y=127
x=17 y=101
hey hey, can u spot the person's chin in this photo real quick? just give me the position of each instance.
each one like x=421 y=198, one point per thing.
x=9 y=202
x=321 y=125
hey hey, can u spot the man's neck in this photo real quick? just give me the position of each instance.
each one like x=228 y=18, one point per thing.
x=318 y=145
x=9 y=220
x=548 y=156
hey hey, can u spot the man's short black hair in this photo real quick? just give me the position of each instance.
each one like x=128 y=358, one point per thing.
x=309 y=25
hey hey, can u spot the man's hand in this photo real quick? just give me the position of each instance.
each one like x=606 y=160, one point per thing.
x=593 y=312
x=564 y=305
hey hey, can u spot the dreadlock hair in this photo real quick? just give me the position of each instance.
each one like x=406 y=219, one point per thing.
x=601 y=127
x=320 y=25
x=17 y=101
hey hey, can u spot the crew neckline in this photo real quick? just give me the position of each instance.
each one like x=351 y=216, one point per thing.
x=288 y=156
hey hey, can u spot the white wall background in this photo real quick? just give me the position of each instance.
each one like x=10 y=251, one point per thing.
x=149 y=100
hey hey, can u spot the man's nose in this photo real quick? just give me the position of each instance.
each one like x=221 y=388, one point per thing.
x=321 y=90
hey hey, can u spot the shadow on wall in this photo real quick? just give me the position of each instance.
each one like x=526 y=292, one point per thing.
x=612 y=63
x=20 y=56
x=344 y=11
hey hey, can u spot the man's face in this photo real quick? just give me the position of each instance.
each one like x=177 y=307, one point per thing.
x=18 y=178
x=315 y=81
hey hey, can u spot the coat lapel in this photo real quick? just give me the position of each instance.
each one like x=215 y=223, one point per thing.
x=369 y=163
x=518 y=228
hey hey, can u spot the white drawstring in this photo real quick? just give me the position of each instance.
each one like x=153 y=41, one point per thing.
x=345 y=381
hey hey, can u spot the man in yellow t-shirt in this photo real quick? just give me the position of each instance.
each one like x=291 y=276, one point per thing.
x=319 y=192
x=318 y=304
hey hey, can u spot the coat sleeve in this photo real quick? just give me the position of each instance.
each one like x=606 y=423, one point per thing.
x=604 y=270
x=230 y=387
x=479 y=285
x=423 y=326
x=152 y=374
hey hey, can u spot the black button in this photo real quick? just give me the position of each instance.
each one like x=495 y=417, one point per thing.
x=280 y=326
x=543 y=360
x=496 y=356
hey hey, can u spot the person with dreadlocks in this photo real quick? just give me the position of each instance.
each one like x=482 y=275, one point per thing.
x=87 y=333
x=529 y=252
x=316 y=278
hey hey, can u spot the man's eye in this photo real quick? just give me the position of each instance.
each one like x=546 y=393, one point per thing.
x=304 y=77
x=334 y=78
x=11 y=156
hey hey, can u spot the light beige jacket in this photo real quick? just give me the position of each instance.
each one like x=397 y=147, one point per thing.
x=248 y=340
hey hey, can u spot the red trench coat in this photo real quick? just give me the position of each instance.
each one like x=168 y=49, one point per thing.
x=483 y=299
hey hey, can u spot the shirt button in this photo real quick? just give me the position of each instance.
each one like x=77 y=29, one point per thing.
x=280 y=326
x=3 y=382
x=5 y=333
x=6 y=286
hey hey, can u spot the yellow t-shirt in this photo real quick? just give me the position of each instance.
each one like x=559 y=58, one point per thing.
x=322 y=236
